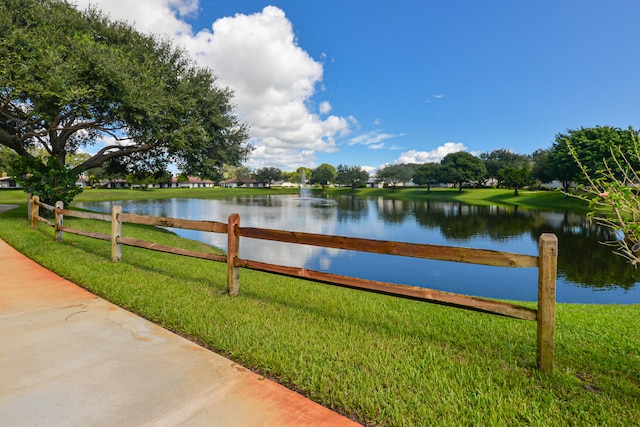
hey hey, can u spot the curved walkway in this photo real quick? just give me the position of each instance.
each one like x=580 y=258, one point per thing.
x=70 y=358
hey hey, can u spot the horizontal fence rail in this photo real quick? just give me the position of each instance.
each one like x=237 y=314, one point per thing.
x=546 y=262
x=415 y=250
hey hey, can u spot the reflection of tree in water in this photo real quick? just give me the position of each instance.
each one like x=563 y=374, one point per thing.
x=261 y=201
x=458 y=221
x=394 y=211
x=322 y=211
x=583 y=260
x=350 y=208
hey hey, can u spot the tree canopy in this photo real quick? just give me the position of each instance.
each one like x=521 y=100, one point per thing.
x=514 y=178
x=351 y=175
x=428 y=174
x=70 y=80
x=268 y=175
x=461 y=167
x=396 y=174
x=592 y=147
x=324 y=174
x=540 y=169
x=500 y=159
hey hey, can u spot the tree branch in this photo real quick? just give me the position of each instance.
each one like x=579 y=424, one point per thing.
x=104 y=154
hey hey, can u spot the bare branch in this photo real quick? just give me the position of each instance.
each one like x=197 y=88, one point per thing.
x=105 y=154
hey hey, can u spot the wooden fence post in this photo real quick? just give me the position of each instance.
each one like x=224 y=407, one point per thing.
x=35 y=211
x=29 y=206
x=547 y=271
x=116 y=233
x=59 y=218
x=233 y=252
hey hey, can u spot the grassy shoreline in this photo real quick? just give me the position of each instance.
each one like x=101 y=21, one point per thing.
x=377 y=359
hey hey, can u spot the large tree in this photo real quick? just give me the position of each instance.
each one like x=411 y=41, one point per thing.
x=502 y=158
x=461 y=167
x=269 y=175
x=394 y=175
x=70 y=80
x=324 y=174
x=514 y=178
x=428 y=174
x=541 y=170
x=351 y=175
x=592 y=148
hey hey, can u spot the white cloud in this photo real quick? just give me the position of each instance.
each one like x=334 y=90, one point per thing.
x=273 y=78
x=372 y=138
x=325 y=107
x=149 y=16
x=269 y=155
x=437 y=96
x=433 y=156
x=258 y=57
x=370 y=169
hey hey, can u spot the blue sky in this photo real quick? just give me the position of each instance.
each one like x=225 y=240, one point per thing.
x=375 y=82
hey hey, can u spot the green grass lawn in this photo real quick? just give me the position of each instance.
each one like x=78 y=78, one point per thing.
x=377 y=359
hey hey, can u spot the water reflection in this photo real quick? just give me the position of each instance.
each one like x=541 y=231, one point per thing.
x=588 y=271
x=583 y=260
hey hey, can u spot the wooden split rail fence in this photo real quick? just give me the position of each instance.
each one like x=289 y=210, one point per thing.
x=546 y=262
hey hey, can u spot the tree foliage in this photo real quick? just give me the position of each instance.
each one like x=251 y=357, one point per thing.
x=514 y=178
x=462 y=167
x=428 y=174
x=268 y=175
x=393 y=175
x=296 y=176
x=50 y=181
x=324 y=174
x=7 y=159
x=351 y=176
x=70 y=80
x=615 y=186
x=591 y=148
x=500 y=159
x=540 y=169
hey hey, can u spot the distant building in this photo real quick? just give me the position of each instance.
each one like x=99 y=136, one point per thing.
x=114 y=183
x=553 y=185
x=8 y=182
x=194 y=182
x=287 y=184
x=82 y=182
x=244 y=183
x=372 y=183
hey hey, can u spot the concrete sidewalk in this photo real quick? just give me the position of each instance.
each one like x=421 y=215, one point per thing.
x=69 y=358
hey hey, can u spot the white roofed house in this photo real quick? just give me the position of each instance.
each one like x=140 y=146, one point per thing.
x=194 y=182
x=242 y=182
x=8 y=182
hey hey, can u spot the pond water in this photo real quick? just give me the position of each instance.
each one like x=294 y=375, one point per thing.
x=588 y=272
